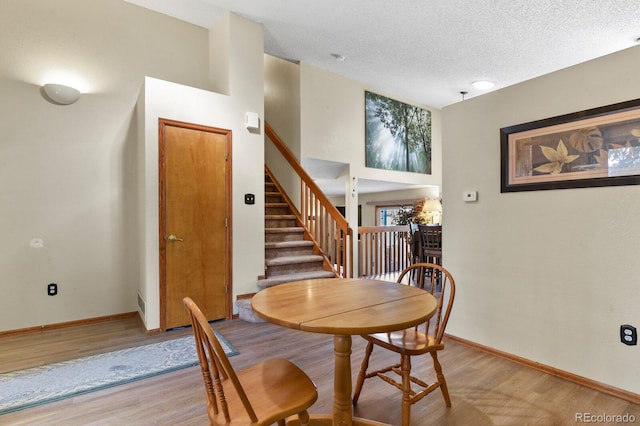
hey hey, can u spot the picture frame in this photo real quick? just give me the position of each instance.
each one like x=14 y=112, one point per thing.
x=594 y=147
x=397 y=135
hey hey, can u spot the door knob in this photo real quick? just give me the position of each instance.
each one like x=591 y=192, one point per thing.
x=174 y=238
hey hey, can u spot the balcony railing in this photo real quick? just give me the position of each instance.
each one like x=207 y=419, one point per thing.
x=384 y=250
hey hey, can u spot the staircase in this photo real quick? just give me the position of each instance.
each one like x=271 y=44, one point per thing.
x=289 y=254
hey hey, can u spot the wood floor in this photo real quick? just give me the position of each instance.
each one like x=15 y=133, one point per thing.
x=485 y=390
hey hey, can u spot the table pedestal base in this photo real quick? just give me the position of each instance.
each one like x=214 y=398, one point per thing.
x=327 y=420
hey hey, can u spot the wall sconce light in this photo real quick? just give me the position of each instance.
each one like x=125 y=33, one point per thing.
x=61 y=94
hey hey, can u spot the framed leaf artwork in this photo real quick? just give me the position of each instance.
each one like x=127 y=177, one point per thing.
x=596 y=147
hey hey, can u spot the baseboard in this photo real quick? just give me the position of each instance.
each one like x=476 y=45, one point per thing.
x=592 y=384
x=245 y=296
x=67 y=324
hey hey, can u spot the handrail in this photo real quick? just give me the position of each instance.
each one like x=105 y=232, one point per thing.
x=384 y=249
x=320 y=218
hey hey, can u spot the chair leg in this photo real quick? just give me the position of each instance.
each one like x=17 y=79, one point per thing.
x=441 y=380
x=405 y=368
x=303 y=418
x=282 y=422
x=362 y=373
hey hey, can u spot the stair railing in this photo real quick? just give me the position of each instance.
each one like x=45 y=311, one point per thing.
x=326 y=226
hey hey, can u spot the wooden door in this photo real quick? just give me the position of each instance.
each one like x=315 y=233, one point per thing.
x=194 y=221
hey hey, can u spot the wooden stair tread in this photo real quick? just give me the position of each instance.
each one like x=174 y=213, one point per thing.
x=288 y=257
x=281 y=279
x=288 y=244
x=290 y=260
x=283 y=230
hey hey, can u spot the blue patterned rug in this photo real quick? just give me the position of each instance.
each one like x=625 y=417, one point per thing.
x=39 y=385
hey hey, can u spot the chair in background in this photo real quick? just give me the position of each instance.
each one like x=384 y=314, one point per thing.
x=431 y=240
x=263 y=394
x=416 y=341
x=415 y=248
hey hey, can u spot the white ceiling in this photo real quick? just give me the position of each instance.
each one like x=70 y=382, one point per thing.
x=428 y=51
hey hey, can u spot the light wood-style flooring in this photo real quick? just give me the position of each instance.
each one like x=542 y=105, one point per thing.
x=485 y=390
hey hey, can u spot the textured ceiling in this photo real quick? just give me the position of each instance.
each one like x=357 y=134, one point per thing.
x=428 y=51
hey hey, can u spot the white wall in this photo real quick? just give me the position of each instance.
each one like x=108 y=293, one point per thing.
x=320 y=115
x=282 y=100
x=68 y=173
x=332 y=126
x=545 y=275
x=333 y=129
x=282 y=112
x=177 y=102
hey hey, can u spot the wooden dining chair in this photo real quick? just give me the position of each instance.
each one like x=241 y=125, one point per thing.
x=431 y=240
x=263 y=394
x=416 y=341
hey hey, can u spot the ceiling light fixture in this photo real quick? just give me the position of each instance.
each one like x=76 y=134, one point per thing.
x=483 y=84
x=61 y=94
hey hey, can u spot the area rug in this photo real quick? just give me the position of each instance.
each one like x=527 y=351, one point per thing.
x=39 y=385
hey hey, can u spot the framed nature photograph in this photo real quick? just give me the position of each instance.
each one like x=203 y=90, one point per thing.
x=596 y=147
x=397 y=135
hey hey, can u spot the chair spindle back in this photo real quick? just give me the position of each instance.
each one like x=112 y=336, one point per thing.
x=438 y=281
x=215 y=365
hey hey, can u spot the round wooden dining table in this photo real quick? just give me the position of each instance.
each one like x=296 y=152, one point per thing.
x=343 y=307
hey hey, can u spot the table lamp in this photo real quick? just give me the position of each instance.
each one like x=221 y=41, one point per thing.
x=433 y=210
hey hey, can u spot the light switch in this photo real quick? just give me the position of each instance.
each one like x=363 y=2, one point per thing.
x=469 y=196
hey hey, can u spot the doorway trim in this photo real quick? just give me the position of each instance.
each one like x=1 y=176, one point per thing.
x=162 y=123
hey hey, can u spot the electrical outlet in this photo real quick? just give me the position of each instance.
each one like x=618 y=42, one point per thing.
x=628 y=334
x=52 y=289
